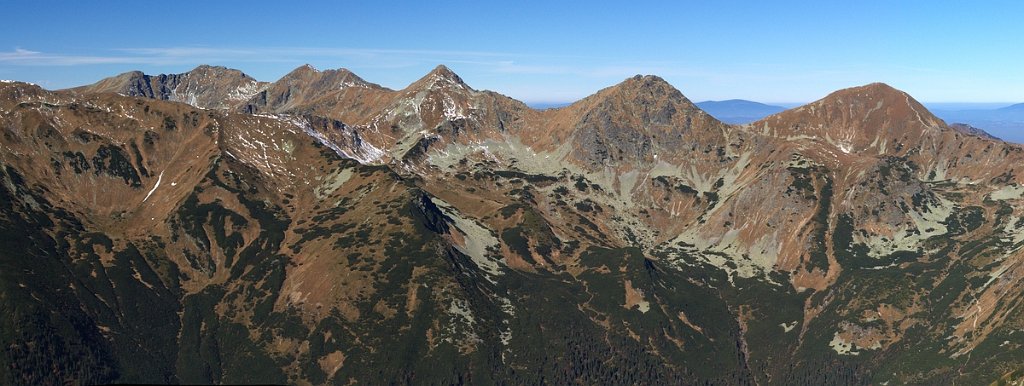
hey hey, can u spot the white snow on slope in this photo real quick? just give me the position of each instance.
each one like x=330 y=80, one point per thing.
x=158 y=179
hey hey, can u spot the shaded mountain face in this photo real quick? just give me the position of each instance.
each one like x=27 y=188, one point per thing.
x=328 y=230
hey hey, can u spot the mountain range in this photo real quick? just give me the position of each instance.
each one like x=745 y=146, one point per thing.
x=207 y=227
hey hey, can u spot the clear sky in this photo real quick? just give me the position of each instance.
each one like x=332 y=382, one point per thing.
x=549 y=51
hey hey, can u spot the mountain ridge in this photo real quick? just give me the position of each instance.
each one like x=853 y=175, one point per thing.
x=447 y=76
x=857 y=239
x=204 y=86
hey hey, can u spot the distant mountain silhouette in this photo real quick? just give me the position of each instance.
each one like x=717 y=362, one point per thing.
x=738 y=111
x=1006 y=122
x=1017 y=108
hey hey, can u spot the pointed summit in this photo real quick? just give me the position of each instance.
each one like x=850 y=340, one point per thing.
x=440 y=77
x=647 y=82
x=641 y=100
x=444 y=72
x=646 y=89
x=300 y=72
x=633 y=122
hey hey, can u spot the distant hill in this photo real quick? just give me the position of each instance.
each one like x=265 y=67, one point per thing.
x=548 y=105
x=738 y=111
x=1006 y=122
x=1017 y=108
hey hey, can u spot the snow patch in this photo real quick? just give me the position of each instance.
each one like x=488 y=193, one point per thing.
x=158 y=179
x=17 y=81
x=244 y=92
x=365 y=152
x=451 y=110
x=845 y=147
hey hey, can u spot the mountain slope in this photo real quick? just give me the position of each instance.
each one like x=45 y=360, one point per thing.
x=351 y=233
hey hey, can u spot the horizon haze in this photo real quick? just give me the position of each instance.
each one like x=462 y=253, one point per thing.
x=550 y=53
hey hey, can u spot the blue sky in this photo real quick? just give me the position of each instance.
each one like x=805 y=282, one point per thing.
x=542 y=51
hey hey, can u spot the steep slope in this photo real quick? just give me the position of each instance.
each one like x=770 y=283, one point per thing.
x=207 y=87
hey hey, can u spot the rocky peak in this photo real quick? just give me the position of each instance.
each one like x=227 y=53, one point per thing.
x=633 y=122
x=648 y=84
x=641 y=102
x=313 y=80
x=219 y=72
x=299 y=72
x=440 y=77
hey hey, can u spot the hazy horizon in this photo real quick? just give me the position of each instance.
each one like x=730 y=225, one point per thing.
x=545 y=53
